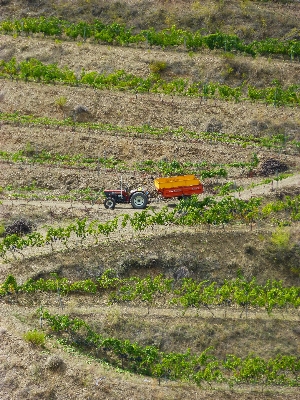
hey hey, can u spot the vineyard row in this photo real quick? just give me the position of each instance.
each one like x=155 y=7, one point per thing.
x=118 y=34
x=35 y=70
x=150 y=361
x=186 y=292
x=161 y=167
x=273 y=141
x=187 y=213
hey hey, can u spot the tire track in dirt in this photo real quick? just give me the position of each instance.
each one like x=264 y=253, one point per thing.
x=259 y=190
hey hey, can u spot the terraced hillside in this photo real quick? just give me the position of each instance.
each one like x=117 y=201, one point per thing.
x=194 y=298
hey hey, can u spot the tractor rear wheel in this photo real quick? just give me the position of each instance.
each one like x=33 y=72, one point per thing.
x=110 y=203
x=139 y=200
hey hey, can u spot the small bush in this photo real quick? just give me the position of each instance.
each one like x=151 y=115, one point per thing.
x=35 y=337
x=61 y=102
x=272 y=166
x=81 y=114
x=19 y=227
x=157 y=66
x=2 y=230
x=214 y=125
x=29 y=150
x=54 y=363
x=281 y=239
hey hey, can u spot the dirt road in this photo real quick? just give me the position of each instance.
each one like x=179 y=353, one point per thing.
x=256 y=191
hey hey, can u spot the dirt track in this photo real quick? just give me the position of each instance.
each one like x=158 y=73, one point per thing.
x=256 y=191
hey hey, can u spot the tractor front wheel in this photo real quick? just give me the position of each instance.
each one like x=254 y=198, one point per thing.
x=110 y=203
x=139 y=200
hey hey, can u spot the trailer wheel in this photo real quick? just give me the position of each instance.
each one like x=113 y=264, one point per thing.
x=139 y=200
x=110 y=203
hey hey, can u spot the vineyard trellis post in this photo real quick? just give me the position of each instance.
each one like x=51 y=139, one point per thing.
x=41 y=317
x=61 y=305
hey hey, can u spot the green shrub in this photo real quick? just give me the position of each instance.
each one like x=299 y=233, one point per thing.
x=157 y=66
x=2 y=229
x=61 y=102
x=29 y=150
x=35 y=337
x=281 y=238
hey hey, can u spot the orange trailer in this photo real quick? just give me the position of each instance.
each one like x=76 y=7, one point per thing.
x=178 y=186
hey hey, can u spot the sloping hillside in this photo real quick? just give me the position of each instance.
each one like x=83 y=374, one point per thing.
x=188 y=298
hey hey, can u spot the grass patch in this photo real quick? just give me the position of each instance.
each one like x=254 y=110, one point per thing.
x=35 y=337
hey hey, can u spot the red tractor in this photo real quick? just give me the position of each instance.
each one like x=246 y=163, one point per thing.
x=138 y=198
